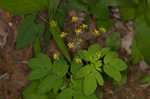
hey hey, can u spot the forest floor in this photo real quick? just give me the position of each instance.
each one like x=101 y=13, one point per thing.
x=14 y=68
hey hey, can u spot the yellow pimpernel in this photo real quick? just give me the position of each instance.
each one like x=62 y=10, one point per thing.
x=75 y=19
x=84 y=26
x=99 y=54
x=70 y=45
x=63 y=35
x=102 y=29
x=53 y=23
x=78 y=60
x=96 y=32
x=78 y=31
x=55 y=56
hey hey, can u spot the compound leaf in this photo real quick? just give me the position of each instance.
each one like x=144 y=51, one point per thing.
x=112 y=72
x=65 y=94
x=89 y=84
x=29 y=32
x=23 y=6
x=47 y=84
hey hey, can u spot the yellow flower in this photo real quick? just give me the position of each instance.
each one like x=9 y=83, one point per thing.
x=84 y=26
x=53 y=23
x=96 y=32
x=98 y=54
x=56 y=56
x=74 y=19
x=63 y=34
x=70 y=45
x=78 y=60
x=102 y=29
x=78 y=31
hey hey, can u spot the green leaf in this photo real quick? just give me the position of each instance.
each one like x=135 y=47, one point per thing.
x=105 y=51
x=99 y=78
x=37 y=47
x=136 y=54
x=94 y=48
x=36 y=96
x=99 y=7
x=142 y=37
x=79 y=95
x=23 y=7
x=117 y=64
x=128 y=13
x=110 y=55
x=83 y=55
x=60 y=67
x=30 y=92
x=61 y=14
x=76 y=5
x=112 y=72
x=31 y=88
x=29 y=32
x=55 y=30
x=75 y=67
x=105 y=23
x=77 y=85
x=41 y=61
x=89 y=84
x=113 y=41
x=37 y=74
x=65 y=94
x=47 y=84
x=58 y=84
x=52 y=7
x=145 y=79
x=47 y=39
x=84 y=71
x=101 y=11
x=124 y=78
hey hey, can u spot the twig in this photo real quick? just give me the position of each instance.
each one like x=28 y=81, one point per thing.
x=3 y=76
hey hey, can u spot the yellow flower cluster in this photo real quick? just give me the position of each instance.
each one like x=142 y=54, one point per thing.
x=75 y=19
x=53 y=23
x=98 y=54
x=70 y=45
x=55 y=56
x=78 y=31
x=84 y=26
x=78 y=60
x=63 y=35
x=102 y=29
x=96 y=32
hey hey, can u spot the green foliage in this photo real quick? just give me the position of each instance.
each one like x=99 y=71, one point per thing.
x=136 y=54
x=102 y=13
x=128 y=13
x=29 y=32
x=142 y=37
x=77 y=5
x=145 y=79
x=52 y=7
x=31 y=92
x=37 y=47
x=50 y=76
x=111 y=41
x=99 y=60
x=23 y=7
x=55 y=31
x=55 y=79
x=61 y=14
